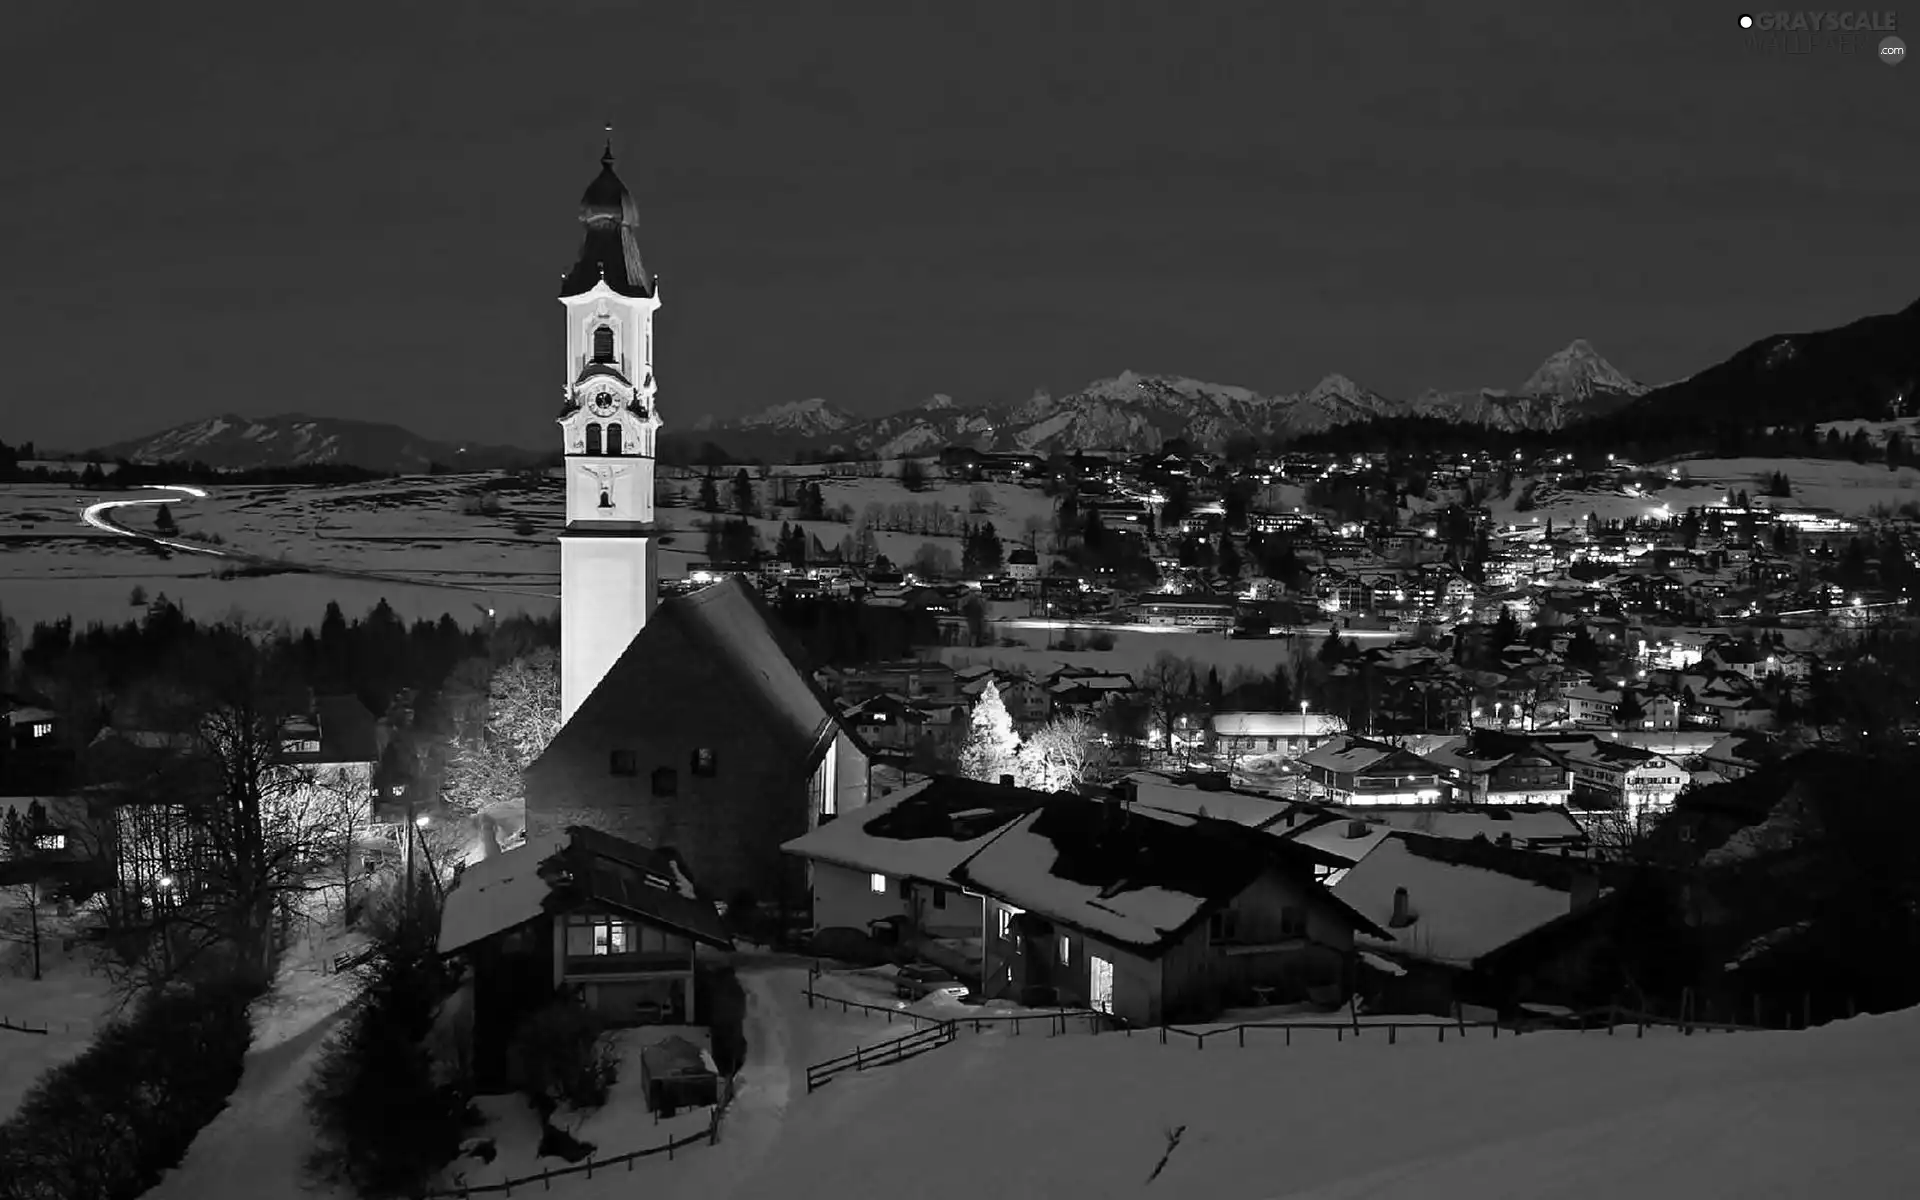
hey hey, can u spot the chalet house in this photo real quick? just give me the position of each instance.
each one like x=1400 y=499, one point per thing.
x=892 y=862
x=1027 y=699
x=1491 y=767
x=39 y=777
x=708 y=734
x=1086 y=690
x=1354 y=770
x=1755 y=662
x=1738 y=755
x=577 y=912
x=1287 y=733
x=1452 y=905
x=886 y=722
x=1617 y=777
x=1154 y=917
x=1541 y=827
x=1022 y=564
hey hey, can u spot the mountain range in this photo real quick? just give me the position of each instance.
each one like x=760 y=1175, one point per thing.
x=1142 y=411
x=231 y=443
x=1869 y=368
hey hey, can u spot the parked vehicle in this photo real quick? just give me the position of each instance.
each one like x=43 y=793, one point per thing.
x=917 y=981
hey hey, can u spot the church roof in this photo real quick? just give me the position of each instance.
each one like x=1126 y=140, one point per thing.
x=730 y=624
x=608 y=249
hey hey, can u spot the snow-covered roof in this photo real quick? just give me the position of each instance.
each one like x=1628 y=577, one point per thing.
x=1154 y=791
x=1347 y=838
x=1524 y=825
x=498 y=893
x=1463 y=909
x=919 y=832
x=1277 y=724
x=576 y=867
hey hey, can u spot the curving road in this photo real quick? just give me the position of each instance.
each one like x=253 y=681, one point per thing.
x=100 y=516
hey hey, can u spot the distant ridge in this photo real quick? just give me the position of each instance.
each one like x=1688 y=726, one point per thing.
x=234 y=443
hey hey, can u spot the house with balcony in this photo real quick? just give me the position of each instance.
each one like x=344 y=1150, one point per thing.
x=1492 y=767
x=913 y=680
x=1615 y=777
x=582 y=914
x=1155 y=916
x=1350 y=770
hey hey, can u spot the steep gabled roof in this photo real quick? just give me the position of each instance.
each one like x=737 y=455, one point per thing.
x=732 y=627
x=609 y=252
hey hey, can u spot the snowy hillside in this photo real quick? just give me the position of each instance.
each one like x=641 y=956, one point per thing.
x=1551 y=1116
x=298 y=440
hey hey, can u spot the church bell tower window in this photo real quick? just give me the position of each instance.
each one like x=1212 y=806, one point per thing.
x=603 y=344
x=593 y=438
x=613 y=438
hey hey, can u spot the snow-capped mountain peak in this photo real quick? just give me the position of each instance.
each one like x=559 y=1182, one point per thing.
x=799 y=418
x=1576 y=373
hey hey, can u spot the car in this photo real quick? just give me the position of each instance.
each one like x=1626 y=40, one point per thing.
x=916 y=981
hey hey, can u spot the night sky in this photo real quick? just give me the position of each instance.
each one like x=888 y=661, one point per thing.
x=363 y=210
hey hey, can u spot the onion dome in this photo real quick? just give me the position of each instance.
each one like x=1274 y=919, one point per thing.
x=609 y=250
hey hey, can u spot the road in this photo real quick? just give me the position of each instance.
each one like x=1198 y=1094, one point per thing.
x=100 y=515
x=1317 y=631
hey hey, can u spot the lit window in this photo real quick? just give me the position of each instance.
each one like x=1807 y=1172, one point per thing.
x=50 y=841
x=704 y=762
x=42 y=729
x=612 y=937
x=1006 y=923
x=1066 y=949
x=877 y=884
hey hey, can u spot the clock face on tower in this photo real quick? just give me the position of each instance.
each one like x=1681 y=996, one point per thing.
x=603 y=404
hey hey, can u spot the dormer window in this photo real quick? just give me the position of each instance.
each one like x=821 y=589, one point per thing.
x=593 y=438
x=603 y=344
x=613 y=438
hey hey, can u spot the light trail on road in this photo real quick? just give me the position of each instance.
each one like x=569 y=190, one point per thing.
x=95 y=515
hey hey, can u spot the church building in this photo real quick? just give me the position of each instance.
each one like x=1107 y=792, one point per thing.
x=697 y=726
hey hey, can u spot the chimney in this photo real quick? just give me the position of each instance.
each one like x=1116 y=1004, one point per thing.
x=1506 y=840
x=489 y=838
x=1584 y=890
x=1357 y=829
x=1403 y=914
x=1006 y=781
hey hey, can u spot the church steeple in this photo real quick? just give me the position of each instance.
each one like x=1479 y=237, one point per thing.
x=609 y=246
x=608 y=429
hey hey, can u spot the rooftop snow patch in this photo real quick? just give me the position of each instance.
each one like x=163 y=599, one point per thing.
x=920 y=832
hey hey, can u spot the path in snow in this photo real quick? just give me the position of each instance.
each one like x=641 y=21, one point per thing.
x=254 y=1148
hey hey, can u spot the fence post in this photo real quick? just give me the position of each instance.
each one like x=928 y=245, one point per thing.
x=1393 y=1034
x=1806 y=1010
x=589 y=1166
x=546 y=1181
x=1339 y=1033
x=1443 y=1032
x=859 y=1062
x=1243 y=1035
x=1289 y=1035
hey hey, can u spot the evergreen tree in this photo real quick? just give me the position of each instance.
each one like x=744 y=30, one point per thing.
x=163 y=520
x=1506 y=630
x=1229 y=559
x=709 y=494
x=992 y=748
x=743 y=493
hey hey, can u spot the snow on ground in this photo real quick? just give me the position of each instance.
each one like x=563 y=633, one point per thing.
x=1847 y=487
x=1548 y=1116
x=71 y=1000
x=255 y=1147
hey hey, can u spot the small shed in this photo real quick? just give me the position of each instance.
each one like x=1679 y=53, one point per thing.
x=677 y=1074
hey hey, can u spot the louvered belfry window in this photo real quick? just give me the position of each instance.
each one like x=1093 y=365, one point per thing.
x=603 y=344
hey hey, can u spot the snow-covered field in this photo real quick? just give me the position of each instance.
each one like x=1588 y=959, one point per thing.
x=1549 y=1116
x=70 y=1000
x=439 y=550
x=1845 y=487
x=1133 y=651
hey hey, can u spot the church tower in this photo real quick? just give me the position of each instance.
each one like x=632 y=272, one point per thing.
x=608 y=425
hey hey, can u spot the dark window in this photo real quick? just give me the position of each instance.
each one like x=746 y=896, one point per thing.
x=603 y=344
x=623 y=762
x=666 y=782
x=593 y=438
x=906 y=890
x=939 y=896
x=613 y=438
x=1293 y=922
x=1223 y=926
x=704 y=762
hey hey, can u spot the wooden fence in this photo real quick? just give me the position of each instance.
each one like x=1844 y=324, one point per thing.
x=5 y=1023
x=895 y=1050
x=1058 y=1022
x=710 y=1135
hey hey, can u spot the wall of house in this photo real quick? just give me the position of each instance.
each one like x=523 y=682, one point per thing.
x=844 y=899
x=728 y=827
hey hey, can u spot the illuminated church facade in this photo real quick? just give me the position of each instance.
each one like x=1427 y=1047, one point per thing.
x=697 y=725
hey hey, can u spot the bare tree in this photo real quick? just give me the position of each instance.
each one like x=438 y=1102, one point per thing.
x=483 y=779
x=1167 y=685
x=1060 y=755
